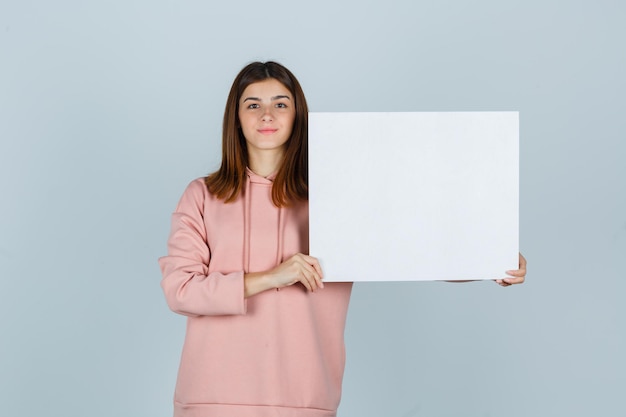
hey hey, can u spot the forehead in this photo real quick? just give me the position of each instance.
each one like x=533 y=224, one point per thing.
x=265 y=89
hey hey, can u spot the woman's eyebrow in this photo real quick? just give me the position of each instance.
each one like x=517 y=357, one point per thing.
x=273 y=98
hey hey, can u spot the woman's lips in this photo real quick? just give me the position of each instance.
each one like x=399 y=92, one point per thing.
x=267 y=131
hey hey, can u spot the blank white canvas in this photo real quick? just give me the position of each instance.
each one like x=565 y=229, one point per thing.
x=414 y=196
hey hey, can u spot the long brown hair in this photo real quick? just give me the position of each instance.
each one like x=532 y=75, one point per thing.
x=291 y=182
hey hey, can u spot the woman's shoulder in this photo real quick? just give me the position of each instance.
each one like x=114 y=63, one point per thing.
x=197 y=185
x=196 y=194
x=196 y=188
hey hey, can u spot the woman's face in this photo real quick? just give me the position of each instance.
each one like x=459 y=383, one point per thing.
x=266 y=114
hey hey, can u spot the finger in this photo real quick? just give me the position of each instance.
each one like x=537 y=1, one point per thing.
x=305 y=274
x=522 y=262
x=511 y=281
x=317 y=273
x=318 y=280
x=318 y=269
x=303 y=279
x=314 y=279
x=314 y=262
x=312 y=273
x=521 y=271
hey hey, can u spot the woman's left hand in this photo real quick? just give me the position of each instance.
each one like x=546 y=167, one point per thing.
x=517 y=276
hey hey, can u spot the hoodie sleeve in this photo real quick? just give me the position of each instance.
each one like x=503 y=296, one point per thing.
x=189 y=288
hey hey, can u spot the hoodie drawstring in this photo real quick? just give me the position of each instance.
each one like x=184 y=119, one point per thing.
x=281 y=227
x=246 y=225
x=247 y=202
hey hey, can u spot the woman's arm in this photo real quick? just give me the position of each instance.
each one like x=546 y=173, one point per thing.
x=188 y=286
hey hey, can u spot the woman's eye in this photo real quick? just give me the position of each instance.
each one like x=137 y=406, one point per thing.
x=253 y=106
x=281 y=105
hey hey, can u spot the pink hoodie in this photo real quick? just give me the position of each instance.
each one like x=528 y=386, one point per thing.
x=279 y=353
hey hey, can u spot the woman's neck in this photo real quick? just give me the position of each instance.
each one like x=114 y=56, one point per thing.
x=265 y=163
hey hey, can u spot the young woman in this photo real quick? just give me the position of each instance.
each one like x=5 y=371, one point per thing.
x=264 y=333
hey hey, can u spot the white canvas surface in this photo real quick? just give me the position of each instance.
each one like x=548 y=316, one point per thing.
x=414 y=196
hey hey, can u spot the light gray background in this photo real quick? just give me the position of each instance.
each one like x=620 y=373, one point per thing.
x=108 y=109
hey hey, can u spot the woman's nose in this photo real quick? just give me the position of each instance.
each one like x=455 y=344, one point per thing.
x=267 y=115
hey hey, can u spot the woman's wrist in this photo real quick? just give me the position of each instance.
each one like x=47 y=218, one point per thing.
x=257 y=282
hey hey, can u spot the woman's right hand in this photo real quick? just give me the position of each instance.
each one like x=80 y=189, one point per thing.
x=299 y=268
